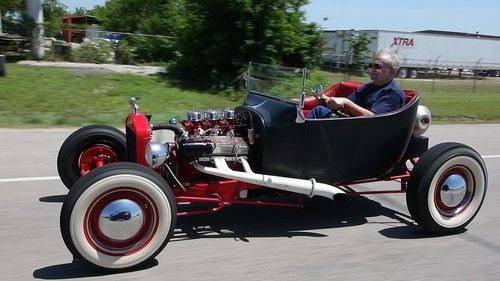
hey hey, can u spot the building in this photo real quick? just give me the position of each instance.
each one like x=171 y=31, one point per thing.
x=76 y=28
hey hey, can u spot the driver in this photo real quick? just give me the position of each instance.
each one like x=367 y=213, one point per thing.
x=379 y=96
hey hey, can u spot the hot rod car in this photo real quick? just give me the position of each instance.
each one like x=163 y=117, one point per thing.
x=125 y=188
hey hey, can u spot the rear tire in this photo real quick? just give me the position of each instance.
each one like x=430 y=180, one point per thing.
x=118 y=217
x=413 y=74
x=402 y=72
x=87 y=148
x=447 y=188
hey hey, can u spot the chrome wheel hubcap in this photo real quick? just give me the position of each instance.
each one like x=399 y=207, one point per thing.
x=453 y=190
x=121 y=219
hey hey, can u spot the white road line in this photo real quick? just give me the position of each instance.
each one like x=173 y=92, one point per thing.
x=56 y=178
x=28 y=179
x=490 y=156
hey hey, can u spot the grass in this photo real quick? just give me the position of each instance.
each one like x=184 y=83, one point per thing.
x=452 y=101
x=46 y=96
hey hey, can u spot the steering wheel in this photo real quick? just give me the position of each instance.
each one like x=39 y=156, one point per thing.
x=317 y=92
x=338 y=114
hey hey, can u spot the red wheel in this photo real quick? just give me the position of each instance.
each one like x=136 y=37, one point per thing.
x=454 y=191
x=88 y=148
x=96 y=156
x=120 y=216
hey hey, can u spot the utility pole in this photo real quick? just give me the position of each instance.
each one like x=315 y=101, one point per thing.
x=2 y=57
x=35 y=11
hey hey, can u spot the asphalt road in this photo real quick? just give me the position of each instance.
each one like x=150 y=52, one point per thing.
x=365 y=238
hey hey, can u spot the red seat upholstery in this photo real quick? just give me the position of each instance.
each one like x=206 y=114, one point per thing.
x=341 y=89
x=410 y=95
x=344 y=89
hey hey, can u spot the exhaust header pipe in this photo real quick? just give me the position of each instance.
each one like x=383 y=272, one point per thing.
x=307 y=187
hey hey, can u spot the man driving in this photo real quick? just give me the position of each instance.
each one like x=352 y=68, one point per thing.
x=380 y=95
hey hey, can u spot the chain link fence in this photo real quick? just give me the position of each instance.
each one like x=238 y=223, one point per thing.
x=478 y=77
x=98 y=46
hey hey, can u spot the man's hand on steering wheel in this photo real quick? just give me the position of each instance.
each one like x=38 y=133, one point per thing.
x=336 y=105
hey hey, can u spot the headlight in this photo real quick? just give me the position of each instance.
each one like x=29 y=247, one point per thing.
x=423 y=120
x=156 y=154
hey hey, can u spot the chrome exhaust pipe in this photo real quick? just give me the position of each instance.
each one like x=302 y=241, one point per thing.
x=307 y=187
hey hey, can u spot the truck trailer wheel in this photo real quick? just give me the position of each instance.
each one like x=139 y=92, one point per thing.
x=402 y=72
x=413 y=74
x=494 y=73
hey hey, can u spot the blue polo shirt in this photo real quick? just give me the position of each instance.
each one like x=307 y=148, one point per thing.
x=379 y=99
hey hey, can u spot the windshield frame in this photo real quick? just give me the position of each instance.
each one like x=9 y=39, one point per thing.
x=262 y=76
x=277 y=81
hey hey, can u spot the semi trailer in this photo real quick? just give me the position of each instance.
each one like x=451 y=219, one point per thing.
x=421 y=52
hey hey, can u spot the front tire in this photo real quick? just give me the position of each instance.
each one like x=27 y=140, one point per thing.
x=88 y=148
x=447 y=188
x=118 y=217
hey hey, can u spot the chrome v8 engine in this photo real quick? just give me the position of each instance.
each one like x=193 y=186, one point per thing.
x=211 y=135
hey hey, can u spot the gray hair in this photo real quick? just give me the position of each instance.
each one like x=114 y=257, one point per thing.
x=389 y=58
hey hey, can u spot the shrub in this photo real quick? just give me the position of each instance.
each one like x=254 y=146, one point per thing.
x=92 y=52
x=124 y=53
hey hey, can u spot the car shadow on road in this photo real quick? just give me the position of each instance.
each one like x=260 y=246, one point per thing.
x=53 y=198
x=240 y=222
x=77 y=269
x=243 y=222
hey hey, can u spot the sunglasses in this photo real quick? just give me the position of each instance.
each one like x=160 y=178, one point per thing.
x=375 y=65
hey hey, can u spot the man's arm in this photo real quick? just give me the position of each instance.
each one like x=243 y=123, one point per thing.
x=347 y=106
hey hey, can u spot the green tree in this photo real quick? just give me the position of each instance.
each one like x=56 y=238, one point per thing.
x=154 y=17
x=80 y=11
x=357 y=53
x=6 y=6
x=53 y=13
x=10 y=6
x=15 y=19
x=8 y=12
x=223 y=35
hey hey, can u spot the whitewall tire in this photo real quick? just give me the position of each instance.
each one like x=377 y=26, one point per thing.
x=447 y=188
x=118 y=216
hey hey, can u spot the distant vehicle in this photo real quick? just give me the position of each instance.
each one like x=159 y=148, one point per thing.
x=120 y=216
x=121 y=209
x=114 y=36
x=422 y=52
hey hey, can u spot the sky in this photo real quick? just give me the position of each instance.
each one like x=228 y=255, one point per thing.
x=468 y=16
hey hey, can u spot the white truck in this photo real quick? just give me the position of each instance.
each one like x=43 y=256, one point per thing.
x=421 y=52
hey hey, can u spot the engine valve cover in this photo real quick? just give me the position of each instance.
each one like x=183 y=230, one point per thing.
x=225 y=145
